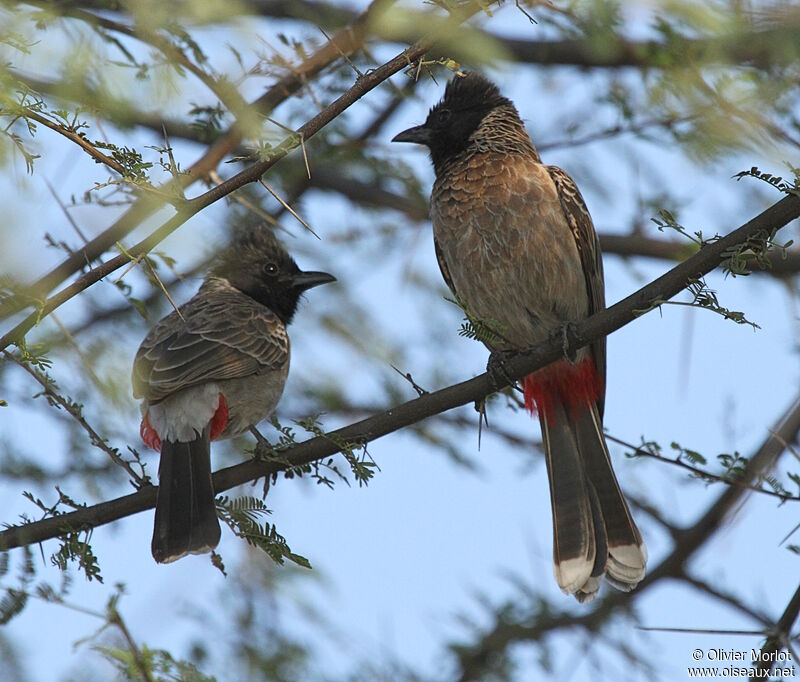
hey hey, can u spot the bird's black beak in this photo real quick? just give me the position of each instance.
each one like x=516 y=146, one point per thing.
x=303 y=281
x=417 y=135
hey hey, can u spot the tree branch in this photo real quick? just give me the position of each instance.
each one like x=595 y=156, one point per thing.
x=347 y=41
x=81 y=141
x=74 y=411
x=780 y=639
x=726 y=597
x=473 y=660
x=762 y=48
x=250 y=174
x=782 y=264
x=224 y=91
x=702 y=474
x=366 y=430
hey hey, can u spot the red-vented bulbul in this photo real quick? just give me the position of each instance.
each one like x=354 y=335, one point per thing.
x=211 y=370
x=515 y=243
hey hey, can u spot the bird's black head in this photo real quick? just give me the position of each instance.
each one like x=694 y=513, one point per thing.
x=257 y=264
x=450 y=124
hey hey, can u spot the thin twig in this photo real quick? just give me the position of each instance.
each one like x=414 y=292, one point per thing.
x=614 y=131
x=342 y=54
x=244 y=201
x=348 y=39
x=82 y=142
x=94 y=437
x=78 y=351
x=702 y=631
x=582 y=333
x=700 y=473
x=153 y=272
x=66 y=213
x=305 y=156
x=173 y=167
x=115 y=618
x=407 y=376
x=287 y=207
x=725 y=597
x=779 y=637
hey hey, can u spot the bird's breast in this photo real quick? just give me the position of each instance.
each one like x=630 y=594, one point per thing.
x=504 y=237
x=251 y=399
x=182 y=415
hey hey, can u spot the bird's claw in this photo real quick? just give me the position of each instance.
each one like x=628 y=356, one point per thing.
x=565 y=334
x=498 y=372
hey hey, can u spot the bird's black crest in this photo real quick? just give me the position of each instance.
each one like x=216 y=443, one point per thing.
x=257 y=264
x=472 y=91
x=255 y=241
x=467 y=100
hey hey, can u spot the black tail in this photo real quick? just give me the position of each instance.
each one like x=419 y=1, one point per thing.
x=593 y=532
x=186 y=515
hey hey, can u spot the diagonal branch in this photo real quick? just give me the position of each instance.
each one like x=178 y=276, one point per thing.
x=366 y=430
x=75 y=412
x=80 y=140
x=250 y=174
x=347 y=41
x=728 y=598
x=505 y=632
x=221 y=87
x=708 y=476
x=780 y=639
x=374 y=194
x=765 y=47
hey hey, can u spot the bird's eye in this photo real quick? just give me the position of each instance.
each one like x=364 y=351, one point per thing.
x=271 y=269
x=442 y=116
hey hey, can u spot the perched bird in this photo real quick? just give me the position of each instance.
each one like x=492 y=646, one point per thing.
x=210 y=370
x=516 y=245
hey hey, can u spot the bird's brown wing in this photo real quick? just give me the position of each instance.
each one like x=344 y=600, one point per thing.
x=222 y=334
x=443 y=267
x=582 y=228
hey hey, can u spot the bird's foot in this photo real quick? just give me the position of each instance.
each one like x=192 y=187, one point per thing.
x=497 y=369
x=565 y=335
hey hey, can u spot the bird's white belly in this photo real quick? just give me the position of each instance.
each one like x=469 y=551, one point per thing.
x=184 y=415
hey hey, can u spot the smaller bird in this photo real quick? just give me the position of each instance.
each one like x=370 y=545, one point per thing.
x=210 y=370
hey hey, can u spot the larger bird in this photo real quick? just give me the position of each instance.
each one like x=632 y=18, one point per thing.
x=210 y=370
x=516 y=244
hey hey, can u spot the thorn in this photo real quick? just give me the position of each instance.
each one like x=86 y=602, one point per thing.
x=341 y=54
x=173 y=167
x=480 y=408
x=66 y=213
x=153 y=272
x=249 y=205
x=407 y=376
x=287 y=207
x=261 y=440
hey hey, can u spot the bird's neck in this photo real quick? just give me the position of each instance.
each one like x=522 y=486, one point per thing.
x=501 y=132
x=214 y=282
x=282 y=301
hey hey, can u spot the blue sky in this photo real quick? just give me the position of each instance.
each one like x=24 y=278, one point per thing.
x=398 y=562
